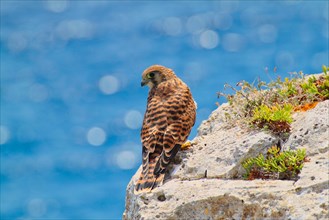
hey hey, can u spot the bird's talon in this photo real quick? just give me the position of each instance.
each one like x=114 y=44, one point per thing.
x=186 y=145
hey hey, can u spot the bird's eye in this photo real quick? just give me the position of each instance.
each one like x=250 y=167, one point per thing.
x=150 y=75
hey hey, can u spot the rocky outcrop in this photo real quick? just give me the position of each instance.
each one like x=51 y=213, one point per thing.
x=205 y=180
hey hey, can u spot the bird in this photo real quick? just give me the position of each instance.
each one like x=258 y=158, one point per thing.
x=169 y=117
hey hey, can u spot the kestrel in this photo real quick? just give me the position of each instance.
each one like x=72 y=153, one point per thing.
x=168 y=120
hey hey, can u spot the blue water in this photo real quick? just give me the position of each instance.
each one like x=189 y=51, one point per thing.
x=71 y=101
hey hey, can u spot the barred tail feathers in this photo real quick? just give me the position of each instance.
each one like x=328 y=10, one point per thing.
x=153 y=172
x=147 y=182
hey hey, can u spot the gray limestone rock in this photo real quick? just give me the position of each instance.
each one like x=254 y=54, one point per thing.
x=204 y=180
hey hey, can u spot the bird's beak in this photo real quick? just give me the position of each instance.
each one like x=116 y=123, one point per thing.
x=144 y=82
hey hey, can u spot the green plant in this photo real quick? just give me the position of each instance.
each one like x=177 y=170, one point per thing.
x=288 y=88
x=277 y=165
x=266 y=104
x=322 y=85
x=309 y=86
x=325 y=69
x=277 y=118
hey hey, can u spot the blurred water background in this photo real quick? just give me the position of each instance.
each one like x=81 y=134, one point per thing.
x=71 y=101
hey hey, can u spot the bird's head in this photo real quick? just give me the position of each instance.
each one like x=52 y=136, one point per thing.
x=156 y=74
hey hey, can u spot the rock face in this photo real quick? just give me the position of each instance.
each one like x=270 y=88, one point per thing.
x=204 y=181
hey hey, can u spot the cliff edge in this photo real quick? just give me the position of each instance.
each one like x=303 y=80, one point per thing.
x=205 y=180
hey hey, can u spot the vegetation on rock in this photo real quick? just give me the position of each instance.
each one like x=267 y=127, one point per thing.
x=277 y=118
x=270 y=105
x=284 y=165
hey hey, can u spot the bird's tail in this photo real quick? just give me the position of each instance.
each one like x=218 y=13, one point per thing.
x=153 y=171
x=148 y=180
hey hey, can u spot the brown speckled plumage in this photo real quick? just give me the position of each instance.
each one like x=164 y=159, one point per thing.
x=168 y=120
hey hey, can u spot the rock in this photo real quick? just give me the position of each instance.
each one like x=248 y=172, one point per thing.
x=206 y=182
